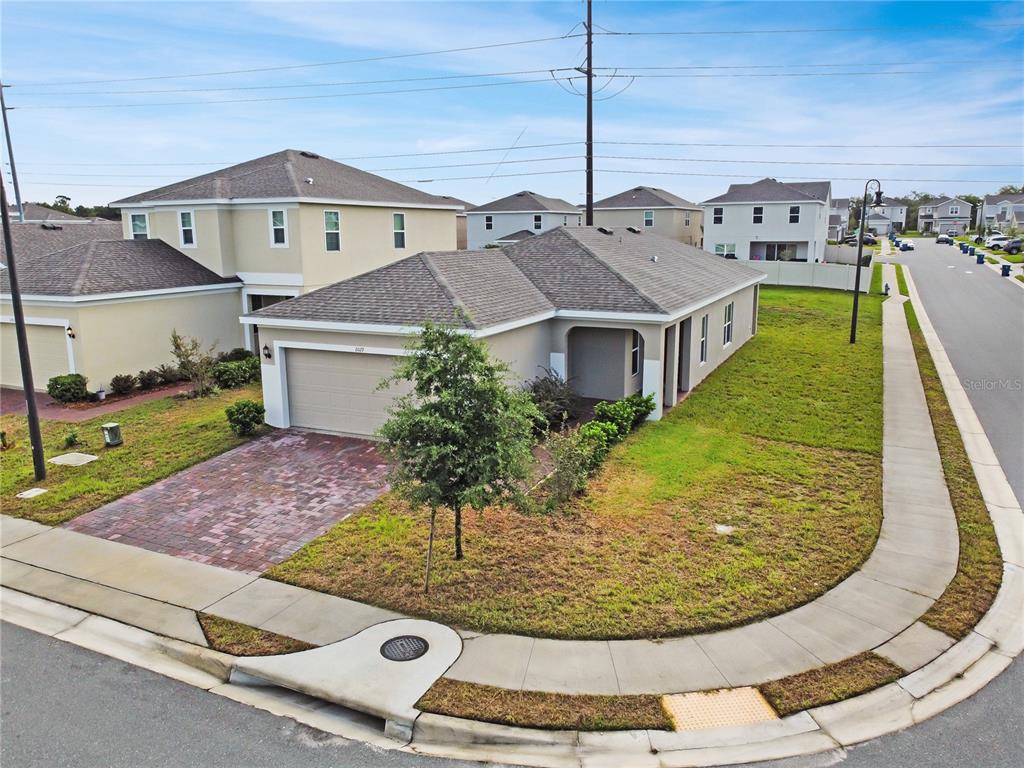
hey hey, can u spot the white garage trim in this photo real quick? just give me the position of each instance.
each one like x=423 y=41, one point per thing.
x=275 y=382
x=54 y=322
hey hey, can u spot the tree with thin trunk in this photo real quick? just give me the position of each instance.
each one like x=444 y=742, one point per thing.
x=461 y=437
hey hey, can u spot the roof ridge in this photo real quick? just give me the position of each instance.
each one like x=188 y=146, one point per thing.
x=614 y=271
x=446 y=288
x=290 y=170
x=83 y=271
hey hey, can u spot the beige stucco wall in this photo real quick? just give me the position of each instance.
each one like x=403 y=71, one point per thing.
x=213 y=242
x=668 y=222
x=743 y=327
x=527 y=350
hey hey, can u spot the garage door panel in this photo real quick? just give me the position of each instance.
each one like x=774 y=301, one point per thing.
x=337 y=391
x=47 y=346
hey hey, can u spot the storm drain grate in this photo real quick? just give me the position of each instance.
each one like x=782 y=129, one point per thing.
x=404 y=648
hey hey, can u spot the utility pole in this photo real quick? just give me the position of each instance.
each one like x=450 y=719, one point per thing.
x=35 y=437
x=590 y=114
x=10 y=155
x=862 y=225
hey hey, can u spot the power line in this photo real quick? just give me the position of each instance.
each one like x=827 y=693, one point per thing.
x=796 y=65
x=812 y=146
x=290 y=67
x=791 y=31
x=809 y=162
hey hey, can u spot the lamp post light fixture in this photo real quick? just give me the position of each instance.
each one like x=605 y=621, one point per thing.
x=877 y=204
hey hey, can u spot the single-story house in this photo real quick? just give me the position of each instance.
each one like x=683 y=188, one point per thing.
x=613 y=311
x=106 y=307
x=514 y=237
x=35 y=238
x=36 y=213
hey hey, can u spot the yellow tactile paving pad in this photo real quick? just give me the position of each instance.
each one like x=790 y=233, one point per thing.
x=718 y=709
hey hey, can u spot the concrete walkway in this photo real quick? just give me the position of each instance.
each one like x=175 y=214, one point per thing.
x=875 y=608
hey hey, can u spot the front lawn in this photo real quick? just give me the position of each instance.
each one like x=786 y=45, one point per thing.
x=161 y=437
x=756 y=494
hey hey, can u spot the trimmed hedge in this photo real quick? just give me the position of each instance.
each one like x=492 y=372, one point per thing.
x=69 y=388
x=237 y=373
x=245 y=417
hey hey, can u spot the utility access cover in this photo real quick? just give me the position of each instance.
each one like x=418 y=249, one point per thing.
x=404 y=648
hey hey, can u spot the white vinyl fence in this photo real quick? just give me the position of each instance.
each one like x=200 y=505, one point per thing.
x=839 y=276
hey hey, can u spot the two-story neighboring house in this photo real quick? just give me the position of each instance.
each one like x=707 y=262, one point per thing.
x=488 y=223
x=290 y=223
x=769 y=221
x=944 y=214
x=891 y=216
x=997 y=210
x=653 y=210
x=838 y=218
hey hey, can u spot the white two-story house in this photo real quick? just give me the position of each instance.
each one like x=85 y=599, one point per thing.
x=290 y=223
x=838 y=218
x=944 y=214
x=512 y=218
x=997 y=210
x=769 y=221
x=891 y=216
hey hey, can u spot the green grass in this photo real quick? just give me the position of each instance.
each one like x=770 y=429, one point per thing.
x=1019 y=277
x=829 y=684
x=782 y=442
x=901 y=281
x=242 y=640
x=1013 y=258
x=876 y=279
x=161 y=437
x=990 y=260
x=536 y=709
x=980 y=567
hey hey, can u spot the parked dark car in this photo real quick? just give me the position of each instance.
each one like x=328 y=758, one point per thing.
x=868 y=240
x=1013 y=247
x=944 y=239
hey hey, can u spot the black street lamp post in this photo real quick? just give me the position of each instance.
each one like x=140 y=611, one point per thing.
x=860 y=250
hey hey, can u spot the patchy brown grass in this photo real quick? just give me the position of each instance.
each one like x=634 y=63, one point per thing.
x=980 y=568
x=830 y=683
x=242 y=640
x=551 y=711
x=771 y=444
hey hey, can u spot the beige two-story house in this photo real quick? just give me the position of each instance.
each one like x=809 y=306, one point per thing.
x=652 y=210
x=290 y=223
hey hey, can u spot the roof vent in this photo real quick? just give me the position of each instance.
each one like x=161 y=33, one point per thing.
x=604 y=231
x=312 y=155
x=50 y=225
x=654 y=258
x=634 y=230
x=309 y=180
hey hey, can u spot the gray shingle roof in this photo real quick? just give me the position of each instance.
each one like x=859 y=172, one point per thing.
x=877 y=217
x=645 y=197
x=34 y=239
x=841 y=203
x=526 y=201
x=284 y=175
x=110 y=266
x=515 y=237
x=770 y=190
x=993 y=199
x=567 y=268
x=37 y=212
x=456 y=201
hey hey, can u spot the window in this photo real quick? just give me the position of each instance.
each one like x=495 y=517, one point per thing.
x=704 y=339
x=332 y=230
x=759 y=214
x=794 y=214
x=725 y=250
x=928 y=210
x=648 y=218
x=579 y=221
x=781 y=252
x=954 y=210
x=488 y=222
x=727 y=325
x=278 y=229
x=140 y=226
x=399 y=224
x=686 y=219
x=717 y=215
x=538 y=221
x=634 y=354
x=186 y=228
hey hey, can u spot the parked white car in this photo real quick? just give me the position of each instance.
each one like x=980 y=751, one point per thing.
x=996 y=241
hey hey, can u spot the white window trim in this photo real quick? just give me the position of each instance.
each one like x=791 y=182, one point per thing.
x=797 y=214
x=131 y=229
x=705 y=325
x=754 y=214
x=954 y=210
x=327 y=231
x=634 y=353
x=404 y=230
x=270 y=225
x=715 y=215
x=538 y=221
x=648 y=216
x=181 y=230
x=728 y=316
x=488 y=222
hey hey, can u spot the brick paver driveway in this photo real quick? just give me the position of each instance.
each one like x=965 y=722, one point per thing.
x=250 y=507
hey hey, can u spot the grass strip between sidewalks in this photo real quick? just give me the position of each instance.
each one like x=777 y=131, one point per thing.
x=549 y=711
x=831 y=683
x=238 y=639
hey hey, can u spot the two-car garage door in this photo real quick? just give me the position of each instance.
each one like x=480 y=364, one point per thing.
x=337 y=391
x=48 y=351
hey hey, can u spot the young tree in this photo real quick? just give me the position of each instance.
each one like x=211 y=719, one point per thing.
x=462 y=437
x=194 y=362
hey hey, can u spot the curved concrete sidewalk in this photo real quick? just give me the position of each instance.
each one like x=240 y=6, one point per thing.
x=875 y=608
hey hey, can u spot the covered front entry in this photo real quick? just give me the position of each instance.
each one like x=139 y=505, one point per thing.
x=48 y=352
x=337 y=391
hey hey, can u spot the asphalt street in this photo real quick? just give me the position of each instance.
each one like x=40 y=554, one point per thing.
x=980 y=318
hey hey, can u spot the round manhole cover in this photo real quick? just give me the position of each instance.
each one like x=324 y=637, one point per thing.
x=404 y=648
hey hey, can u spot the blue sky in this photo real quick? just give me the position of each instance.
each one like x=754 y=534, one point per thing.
x=956 y=81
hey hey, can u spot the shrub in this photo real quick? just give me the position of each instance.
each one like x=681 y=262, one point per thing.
x=618 y=414
x=598 y=436
x=251 y=365
x=234 y=374
x=122 y=384
x=555 y=398
x=195 y=363
x=71 y=439
x=245 y=417
x=235 y=355
x=148 y=379
x=69 y=388
x=643 y=406
x=572 y=457
x=169 y=374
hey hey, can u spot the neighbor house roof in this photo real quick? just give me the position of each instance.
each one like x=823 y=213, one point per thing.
x=291 y=174
x=515 y=237
x=877 y=217
x=770 y=190
x=38 y=212
x=645 y=197
x=566 y=269
x=110 y=266
x=841 y=203
x=994 y=199
x=456 y=201
x=526 y=201
x=34 y=238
